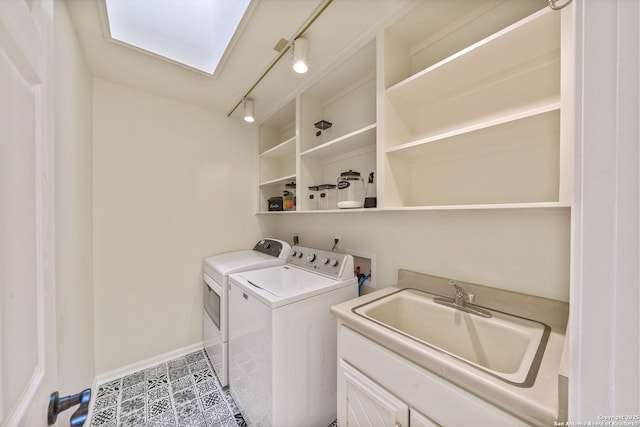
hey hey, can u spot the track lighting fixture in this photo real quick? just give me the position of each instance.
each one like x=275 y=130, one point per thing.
x=300 y=47
x=300 y=55
x=249 y=110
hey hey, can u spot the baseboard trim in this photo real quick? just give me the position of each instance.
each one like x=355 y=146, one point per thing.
x=147 y=363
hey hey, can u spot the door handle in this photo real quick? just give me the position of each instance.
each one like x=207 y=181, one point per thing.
x=58 y=404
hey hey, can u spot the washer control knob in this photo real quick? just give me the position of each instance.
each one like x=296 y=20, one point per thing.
x=299 y=254
x=334 y=262
x=325 y=261
x=293 y=254
x=311 y=257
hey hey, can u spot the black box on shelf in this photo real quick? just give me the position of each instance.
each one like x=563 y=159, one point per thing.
x=275 y=204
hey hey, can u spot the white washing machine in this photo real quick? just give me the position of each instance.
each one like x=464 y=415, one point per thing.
x=282 y=338
x=266 y=253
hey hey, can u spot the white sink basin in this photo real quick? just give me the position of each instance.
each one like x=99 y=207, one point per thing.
x=505 y=346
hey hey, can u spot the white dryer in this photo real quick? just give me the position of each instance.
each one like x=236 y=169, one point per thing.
x=282 y=338
x=265 y=253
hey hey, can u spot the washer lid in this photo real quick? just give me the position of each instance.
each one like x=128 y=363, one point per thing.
x=285 y=284
x=232 y=262
x=286 y=280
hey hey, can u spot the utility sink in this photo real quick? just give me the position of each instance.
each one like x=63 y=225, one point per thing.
x=505 y=346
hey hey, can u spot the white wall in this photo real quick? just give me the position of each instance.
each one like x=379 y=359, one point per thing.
x=172 y=184
x=522 y=250
x=73 y=210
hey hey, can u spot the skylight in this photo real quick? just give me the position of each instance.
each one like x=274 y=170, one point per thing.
x=195 y=33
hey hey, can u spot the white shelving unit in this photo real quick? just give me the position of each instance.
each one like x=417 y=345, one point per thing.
x=456 y=105
x=345 y=97
x=276 y=154
x=480 y=125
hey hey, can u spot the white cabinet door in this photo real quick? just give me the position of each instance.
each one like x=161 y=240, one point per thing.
x=362 y=402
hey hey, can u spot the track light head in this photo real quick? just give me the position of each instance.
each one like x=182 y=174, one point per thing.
x=249 y=110
x=300 y=55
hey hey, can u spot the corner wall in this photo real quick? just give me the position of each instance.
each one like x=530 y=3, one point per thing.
x=73 y=210
x=172 y=183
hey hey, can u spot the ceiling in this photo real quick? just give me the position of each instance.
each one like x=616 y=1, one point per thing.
x=344 y=26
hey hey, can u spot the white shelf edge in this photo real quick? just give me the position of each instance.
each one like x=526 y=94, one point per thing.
x=476 y=127
x=463 y=52
x=325 y=211
x=272 y=150
x=488 y=206
x=538 y=206
x=277 y=180
x=327 y=145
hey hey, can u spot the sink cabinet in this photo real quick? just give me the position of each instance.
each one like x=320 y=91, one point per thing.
x=455 y=105
x=377 y=387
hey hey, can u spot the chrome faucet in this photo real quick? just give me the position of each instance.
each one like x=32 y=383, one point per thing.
x=460 y=297
x=460 y=300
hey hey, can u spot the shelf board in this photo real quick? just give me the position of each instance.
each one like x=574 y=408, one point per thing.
x=279 y=180
x=363 y=137
x=532 y=37
x=551 y=206
x=284 y=149
x=418 y=147
x=324 y=211
x=490 y=206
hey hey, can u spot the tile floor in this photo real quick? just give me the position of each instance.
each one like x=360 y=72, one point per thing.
x=183 y=392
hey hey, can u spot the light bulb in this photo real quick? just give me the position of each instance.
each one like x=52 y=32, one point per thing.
x=300 y=55
x=249 y=111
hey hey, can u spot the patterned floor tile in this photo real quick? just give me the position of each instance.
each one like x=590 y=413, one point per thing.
x=240 y=422
x=132 y=405
x=133 y=419
x=134 y=390
x=109 y=388
x=180 y=362
x=204 y=387
x=184 y=396
x=180 y=372
x=105 y=417
x=156 y=382
x=183 y=392
x=167 y=419
x=194 y=357
x=105 y=402
x=204 y=375
x=156 y=371
x=157 y=393
x=190 y=415
x=210 y=400
x=158 y=407
x=198 y=365
x=182 y=383
x=133 y=379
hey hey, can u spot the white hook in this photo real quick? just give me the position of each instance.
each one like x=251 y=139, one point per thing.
x=552 y=4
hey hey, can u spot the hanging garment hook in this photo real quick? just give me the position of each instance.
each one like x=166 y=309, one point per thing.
x=552 y=4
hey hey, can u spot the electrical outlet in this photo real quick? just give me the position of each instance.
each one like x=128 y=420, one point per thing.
x=336 y=244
